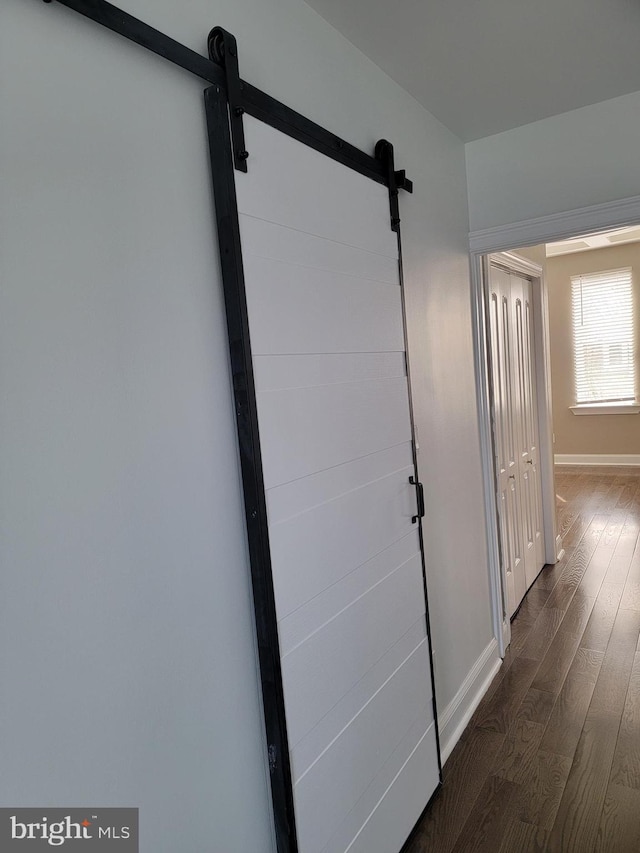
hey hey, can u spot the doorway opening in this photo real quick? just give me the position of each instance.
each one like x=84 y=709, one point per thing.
x=499 y=274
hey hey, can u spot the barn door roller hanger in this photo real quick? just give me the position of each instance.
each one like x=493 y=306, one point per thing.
x=223 y=50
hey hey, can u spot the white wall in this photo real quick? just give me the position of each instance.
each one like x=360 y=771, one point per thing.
x=126 y=635
x=580 y=158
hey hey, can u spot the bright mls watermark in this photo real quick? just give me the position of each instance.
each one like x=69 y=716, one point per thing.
x=86 y=830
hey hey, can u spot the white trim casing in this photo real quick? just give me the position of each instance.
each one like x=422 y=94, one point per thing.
x=631 y=408
x=542 y=348
x=479 y=274
x=557 y=226
x=454 y=718
x=626 y=460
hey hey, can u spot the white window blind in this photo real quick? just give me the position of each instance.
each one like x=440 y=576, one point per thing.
x=603 y=336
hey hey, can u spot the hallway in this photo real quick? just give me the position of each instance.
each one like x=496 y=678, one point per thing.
x=551 y=758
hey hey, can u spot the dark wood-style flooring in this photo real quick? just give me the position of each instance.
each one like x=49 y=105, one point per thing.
x=551 y=759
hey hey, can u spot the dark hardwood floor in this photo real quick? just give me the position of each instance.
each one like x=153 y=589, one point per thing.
x=551 y=758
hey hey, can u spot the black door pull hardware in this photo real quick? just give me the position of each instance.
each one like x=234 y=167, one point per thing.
x=420 y=499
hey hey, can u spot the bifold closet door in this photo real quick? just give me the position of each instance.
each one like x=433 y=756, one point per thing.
x=516 y=431
x=504 y=390
x=528 y=431
x=325 y=317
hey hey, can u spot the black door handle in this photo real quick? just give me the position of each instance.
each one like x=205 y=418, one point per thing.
x=419 y=498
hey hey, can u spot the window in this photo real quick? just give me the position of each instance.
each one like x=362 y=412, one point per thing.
x=603 y=336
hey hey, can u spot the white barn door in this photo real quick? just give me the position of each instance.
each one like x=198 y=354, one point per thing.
x=325 y=320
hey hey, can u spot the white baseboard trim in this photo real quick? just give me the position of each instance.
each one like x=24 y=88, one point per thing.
x=597 y=459
x=454 y=718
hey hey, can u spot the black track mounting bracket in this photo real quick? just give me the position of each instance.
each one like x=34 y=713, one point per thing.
x=223 y=50
x=395 y=180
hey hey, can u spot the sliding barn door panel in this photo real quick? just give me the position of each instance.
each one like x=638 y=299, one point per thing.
x=396 y=805
x=268 y=240
x=347 y=312
x=325 y=317
x=325 y=425
x=323 y=544
x=332 y=786
x=274 y=373
x=318 y=672
x=318 y=196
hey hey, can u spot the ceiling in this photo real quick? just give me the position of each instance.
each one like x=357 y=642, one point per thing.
x=484 y=66
x=594 y=241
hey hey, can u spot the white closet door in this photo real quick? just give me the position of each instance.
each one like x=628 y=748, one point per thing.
x=325 y=320
x=515 y=432
x=528 y=449
x=505 y=418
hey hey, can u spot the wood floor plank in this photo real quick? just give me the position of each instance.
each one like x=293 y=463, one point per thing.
x=575 y=828
x=631 y=595
x=508 y=661
x=536 y=706
x=541 y=635
x=500 y=711
x=523 y=838
x=550 y=760
x=577 y=614
x=625 y=769
x=577 y=566
x=520 y=630
x=550 y=574
x=567 y=517
x=561 y=652
x=602 y=556
x=611 y=687
x=577 y=822
x=489 y=818
x=603 y=616
x=581 y=523
x=564 y=728
x=463 y=782
x=518 y=750
x=534 y=601
x=542 y=788
x=563 y=731
x=579 y=518
x=586 y=664
x=628 y=494
x=623 y=554
x=557 y=663
x=619 y=830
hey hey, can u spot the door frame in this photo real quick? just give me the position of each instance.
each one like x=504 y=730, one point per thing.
x=503 y=238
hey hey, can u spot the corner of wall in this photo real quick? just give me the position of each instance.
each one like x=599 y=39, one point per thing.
x=453 y=719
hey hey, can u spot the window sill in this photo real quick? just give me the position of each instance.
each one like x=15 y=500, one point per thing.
x=630 y=408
